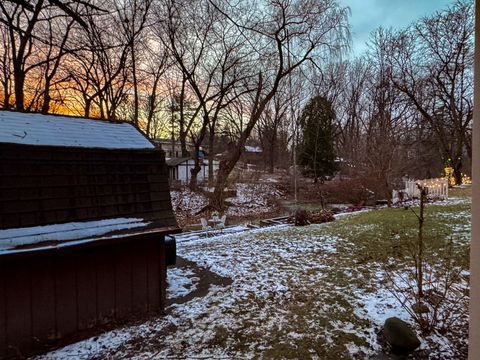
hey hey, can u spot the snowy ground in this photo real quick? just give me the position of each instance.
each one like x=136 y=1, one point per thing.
x=181 y=282
x=296 y=293
x=254 y=199
x=251 y=199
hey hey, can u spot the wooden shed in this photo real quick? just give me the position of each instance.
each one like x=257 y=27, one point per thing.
x=84 y=211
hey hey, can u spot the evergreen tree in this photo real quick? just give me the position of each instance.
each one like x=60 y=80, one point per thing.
x=316 y=150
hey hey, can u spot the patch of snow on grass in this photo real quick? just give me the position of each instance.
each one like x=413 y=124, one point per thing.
x=378 y=306
x=181 y=282
x=454 y=201
x=108 y=341
x=460 y=215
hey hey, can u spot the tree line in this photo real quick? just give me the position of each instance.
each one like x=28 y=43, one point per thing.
x=205 y=70
x=405 y=107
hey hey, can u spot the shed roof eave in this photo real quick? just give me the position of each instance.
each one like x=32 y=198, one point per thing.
x=63 y=131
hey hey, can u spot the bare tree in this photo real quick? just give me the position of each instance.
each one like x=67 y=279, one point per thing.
x=385 y=122
x=269 y=127
x=432 y=64
x=20 y=22
x=56 y=32
x=22 y=19
x=284 y=35
x=101 y=71
x=134 y=15
x=351 y=109
x=206 y=53
x=6 y=67
x=155 y=66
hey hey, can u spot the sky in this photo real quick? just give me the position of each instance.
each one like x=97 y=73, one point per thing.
x=367 y=15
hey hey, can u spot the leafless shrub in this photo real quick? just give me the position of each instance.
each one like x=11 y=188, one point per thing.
x=433 y=290
x=444 y=302
x=303 y=217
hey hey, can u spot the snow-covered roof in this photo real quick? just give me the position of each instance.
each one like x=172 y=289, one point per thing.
x=176 y=161
x=168 y=142
x=10 y=239
x=38 y=129
x=253 y=149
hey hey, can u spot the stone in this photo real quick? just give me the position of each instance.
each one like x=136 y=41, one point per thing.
x=400 y=336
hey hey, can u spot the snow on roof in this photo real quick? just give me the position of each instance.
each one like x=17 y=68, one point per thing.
x=176 y=161
x=38 y=129
x=12 y=238
x=253 y=149
x=168 y=142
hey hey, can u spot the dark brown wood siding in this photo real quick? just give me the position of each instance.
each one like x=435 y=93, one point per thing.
x=50 y=296
x=56 y=292
x=42 y=185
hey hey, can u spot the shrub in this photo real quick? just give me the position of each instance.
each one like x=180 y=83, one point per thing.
x=321 y=216
x=303 y=217
x=300 y=218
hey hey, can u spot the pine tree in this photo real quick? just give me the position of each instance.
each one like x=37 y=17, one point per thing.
x=316 y=150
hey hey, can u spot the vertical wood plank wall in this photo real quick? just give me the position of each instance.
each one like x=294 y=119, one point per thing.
x=49 y=297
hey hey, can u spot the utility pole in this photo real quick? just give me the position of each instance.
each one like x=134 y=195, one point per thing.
x=173 y=131
x=292 y=116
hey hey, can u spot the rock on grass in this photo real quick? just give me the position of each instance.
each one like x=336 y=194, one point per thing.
x=400 y=336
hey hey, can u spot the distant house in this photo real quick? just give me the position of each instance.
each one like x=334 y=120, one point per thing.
x=252 y=156
x=84 y=211
x=179 y=169
x=253 y=149
x=173 y=150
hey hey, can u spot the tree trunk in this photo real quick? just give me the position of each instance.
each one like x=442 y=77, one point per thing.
x=226 y=167
x=19 y=58
x=211 y=142
x=182 y=137
x=46 y=97
x=272 y=154
x=198 y=141
x=217 y=202
x=102 y=110
x=149 y=118
x=194 y=172
x=19 y=76
x=6 y=96
x=6 y=81
x=457 y=172
x=135 y=85
x=46 y=102
x=88 y=104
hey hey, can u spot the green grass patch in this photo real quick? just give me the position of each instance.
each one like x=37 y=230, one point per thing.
x=318 y=316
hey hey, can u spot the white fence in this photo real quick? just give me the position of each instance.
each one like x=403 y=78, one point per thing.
x=437 y=189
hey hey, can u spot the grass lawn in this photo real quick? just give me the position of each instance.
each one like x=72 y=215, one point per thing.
x=317 y=292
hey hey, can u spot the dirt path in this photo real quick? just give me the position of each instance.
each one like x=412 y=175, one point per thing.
x=207 y=279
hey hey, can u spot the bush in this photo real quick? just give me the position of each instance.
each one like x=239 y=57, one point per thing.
x=299 y=218
x=321 y=216
x=338 y=191
x=303 y=217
